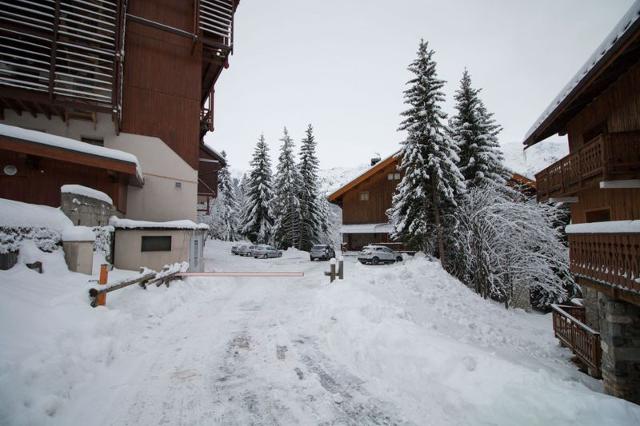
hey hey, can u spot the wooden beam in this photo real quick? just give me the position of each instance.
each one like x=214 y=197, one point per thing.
x=66 y=155
x=620 y=184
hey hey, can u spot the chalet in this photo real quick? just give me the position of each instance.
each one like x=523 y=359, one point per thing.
x=114 y=95
x=599 y=112
x=366 y=199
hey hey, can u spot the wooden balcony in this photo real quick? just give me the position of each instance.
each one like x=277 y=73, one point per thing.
x=609 y=260
x=614 y=156
x=570 y=329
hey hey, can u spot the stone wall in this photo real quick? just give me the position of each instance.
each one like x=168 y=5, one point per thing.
x=86 y=211
x=590 y=302
x=620 y=341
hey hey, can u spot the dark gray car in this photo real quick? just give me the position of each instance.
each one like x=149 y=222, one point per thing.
x=321 y=252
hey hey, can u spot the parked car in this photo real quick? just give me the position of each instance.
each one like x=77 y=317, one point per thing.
x=242 y=250
x=264 y=251
x=378 y=254
x=322 y=252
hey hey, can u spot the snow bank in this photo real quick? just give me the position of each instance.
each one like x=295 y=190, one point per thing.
x=78 y=233
x=86 y=192
x=68 y=143
x=613 y=227
x=174 y=224
x=18 y=214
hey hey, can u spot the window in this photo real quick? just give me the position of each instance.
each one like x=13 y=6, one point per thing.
x=93 y=141
x=390 y=176
x=156 y=243
x=396 y=176
x=598 y=216
x=364 y=196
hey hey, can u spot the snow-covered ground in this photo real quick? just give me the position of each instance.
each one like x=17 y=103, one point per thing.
x=397 y=344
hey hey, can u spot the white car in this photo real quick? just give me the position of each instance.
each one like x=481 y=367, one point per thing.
x=264 y=251
x=375 y=255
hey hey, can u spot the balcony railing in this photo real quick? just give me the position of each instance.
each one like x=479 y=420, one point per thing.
x=215 y=20
x=569 y=328
x=613 y=156
x=609 y=259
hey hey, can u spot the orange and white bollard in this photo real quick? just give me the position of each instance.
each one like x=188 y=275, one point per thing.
x=104 y=276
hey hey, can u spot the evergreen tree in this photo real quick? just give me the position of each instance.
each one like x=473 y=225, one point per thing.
x=313 y=212
x=257 y=219
x=225 y=206
x=431 y=178
x=476 y=134
x=286 y=202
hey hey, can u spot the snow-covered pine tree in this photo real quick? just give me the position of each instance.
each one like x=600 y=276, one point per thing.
x=476 y=133
x=257 y=220
x=313 y=213
x=286 y=204
x=431 y=179
x=226 y=206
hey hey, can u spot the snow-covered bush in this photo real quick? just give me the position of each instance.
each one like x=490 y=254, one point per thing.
x=46 y=239
x=104 y=237
x=509 y=245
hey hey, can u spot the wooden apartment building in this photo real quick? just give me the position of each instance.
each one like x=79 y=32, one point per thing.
x=366 y=199
x=599 y=112
x=125 y=90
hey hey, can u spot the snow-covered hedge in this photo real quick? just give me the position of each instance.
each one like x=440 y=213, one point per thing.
x=46 y=239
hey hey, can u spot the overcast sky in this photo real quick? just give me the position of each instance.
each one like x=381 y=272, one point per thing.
x=342 y=66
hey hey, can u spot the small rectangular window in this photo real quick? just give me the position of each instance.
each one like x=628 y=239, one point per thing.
x=396 y=176
x=390 y=176
x=156 y=243
x=364 y=196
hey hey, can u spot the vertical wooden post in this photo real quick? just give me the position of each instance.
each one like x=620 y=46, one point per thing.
x=332 y=272
x=341 y=267
x=104 y=276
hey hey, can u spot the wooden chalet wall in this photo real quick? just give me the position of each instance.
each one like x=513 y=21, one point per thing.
x=162 y=77
x=39 y=180
x=617 y=109
x=355 y=211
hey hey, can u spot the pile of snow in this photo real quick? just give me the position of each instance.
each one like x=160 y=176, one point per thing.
x=69 y=144
x=78 y=233
x=85 y=191
x=15 y=214
x=120 y=223
x=336 y=177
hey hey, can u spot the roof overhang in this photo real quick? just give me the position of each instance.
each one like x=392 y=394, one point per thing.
x=37 y=149
x=619 y=52
x=367 y=228
x=380 y=165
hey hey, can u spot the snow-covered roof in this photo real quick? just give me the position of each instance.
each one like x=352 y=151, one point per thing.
x=364 y=176
x=86 y=192
x=61 y=142
x=19 y=214
x=594 y=60
x=367 y=228
x=144 y=224
x=613 y=227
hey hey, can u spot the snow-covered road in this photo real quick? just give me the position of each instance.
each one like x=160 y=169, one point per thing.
x=398 y=344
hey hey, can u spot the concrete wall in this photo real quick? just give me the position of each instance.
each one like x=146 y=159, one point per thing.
x=79 y=256
x=128 y=244
x=86 y=211
x=160 y=199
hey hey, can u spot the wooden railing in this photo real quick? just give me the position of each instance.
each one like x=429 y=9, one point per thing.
x=613 y=156
x=569 y=328
x=609 y=259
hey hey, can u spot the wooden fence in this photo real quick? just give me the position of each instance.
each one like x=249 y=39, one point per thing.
x=570 y=329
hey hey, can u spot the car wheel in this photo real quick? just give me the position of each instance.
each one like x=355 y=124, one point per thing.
x=399 y=259
x=375 y=260
x=265 y=256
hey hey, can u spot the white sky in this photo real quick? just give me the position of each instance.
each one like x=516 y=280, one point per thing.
x=341 y=65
